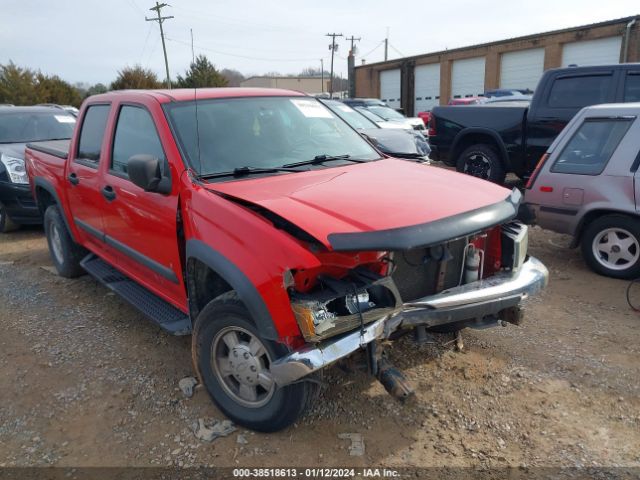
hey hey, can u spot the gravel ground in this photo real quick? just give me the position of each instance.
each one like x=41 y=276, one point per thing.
x=87 y=381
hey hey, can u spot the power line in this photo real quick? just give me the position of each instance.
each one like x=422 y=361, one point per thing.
x=352 y=40
x=160 y=19
x=241 y=56
x=333 y=47
x=373 y=49
x=397 y=51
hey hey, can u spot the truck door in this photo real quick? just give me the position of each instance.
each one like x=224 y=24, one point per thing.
x=84 y=176
x=141 y=225
x=561 y=98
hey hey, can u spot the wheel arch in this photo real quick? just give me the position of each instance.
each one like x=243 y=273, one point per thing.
x=208 y=267
x=593 y=215
x=471 y=136
x=45 y=195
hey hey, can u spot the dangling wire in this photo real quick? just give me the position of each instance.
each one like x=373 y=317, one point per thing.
x=633 y=307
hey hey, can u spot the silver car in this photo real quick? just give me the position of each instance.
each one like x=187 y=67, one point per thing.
x=587 y=185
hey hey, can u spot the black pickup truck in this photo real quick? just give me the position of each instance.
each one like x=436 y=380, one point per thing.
x=491 y=140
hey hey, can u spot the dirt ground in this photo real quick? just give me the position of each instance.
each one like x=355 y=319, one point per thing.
x=87 y=381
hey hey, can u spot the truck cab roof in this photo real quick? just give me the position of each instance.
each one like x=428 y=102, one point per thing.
x=188 y=94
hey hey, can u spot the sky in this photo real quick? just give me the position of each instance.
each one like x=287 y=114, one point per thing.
x=90 y=40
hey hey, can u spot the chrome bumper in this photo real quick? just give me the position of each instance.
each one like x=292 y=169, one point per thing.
x=478 y=299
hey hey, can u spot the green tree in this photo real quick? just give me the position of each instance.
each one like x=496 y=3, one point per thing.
x=96 y=89
x=52 y=89
x=201 y=73
x=135 y=77
x=18 y=85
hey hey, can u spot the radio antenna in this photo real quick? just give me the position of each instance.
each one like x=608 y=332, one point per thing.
x=195 y=99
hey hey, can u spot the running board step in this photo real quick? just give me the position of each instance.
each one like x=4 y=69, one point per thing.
x=165 y=315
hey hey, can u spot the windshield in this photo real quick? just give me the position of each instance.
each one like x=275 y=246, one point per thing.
x=24 y=127
x=261 y=132
x=386 y=112
x=370 y=115
x=349 y=115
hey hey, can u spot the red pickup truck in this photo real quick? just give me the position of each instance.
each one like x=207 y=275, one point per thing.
x=262 y=224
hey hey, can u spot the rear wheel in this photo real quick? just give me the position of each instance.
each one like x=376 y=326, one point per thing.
x=6 y=224
x=65 y=253
x=481 y=161
x=233 y=363
x=611 y=246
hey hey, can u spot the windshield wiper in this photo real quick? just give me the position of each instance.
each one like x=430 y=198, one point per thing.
x=323 y=158
x=244 y=171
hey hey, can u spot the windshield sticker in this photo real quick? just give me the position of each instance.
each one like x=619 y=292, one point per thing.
x=311 y=108
x=65 y=119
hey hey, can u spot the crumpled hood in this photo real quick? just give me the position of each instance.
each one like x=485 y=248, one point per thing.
x=379 y=196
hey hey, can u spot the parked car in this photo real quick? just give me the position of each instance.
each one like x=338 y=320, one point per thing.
x=407 y=144
x=425 y=116
x=18 y=126
x=385 y=112
x=381 y=122
x=261 y=223
x=491 y=140
x=586 y=185
x=466 y=101
x=68 y=108
x=506 y=92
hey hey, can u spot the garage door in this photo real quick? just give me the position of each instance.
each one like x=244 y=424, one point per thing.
x=521 y=69
x=603 y=51
x=427 y=87
x=467 y=77
x=390 y=87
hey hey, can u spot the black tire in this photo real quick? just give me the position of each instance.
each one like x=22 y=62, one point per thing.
x=65 y=253
x=620 y=236
x=282 y=407
x=6 y=224
x=482 y=161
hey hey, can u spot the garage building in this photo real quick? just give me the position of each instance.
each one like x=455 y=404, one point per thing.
x=418 y=83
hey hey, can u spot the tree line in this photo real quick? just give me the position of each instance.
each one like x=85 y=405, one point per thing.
x=25 y=86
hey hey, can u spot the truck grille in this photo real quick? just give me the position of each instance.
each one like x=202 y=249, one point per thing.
x=416 y=271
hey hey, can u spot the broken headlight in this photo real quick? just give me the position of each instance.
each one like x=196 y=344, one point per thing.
x=338 y=306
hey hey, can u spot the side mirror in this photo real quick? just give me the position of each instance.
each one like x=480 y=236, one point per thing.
x=145 y=172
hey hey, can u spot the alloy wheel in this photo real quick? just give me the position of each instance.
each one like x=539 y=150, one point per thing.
x=616 y=248
x=478 y=165
x=56 y=243
x=241 y=364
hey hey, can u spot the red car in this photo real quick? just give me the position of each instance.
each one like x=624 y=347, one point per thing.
x=260 y=222
x=466 y=101
x=425 y=116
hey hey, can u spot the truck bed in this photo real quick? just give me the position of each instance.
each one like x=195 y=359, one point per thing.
x=57 y=148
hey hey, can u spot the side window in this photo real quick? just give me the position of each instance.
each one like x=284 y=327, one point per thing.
x=135 y=134
x=580 y=91
x=591 y=146
x=92 y=133
x=632 y=87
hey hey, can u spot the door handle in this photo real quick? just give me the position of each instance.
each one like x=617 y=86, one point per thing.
x=109 y=193
x=73 y=178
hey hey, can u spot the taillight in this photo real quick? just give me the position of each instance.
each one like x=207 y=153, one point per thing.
x=432 y=126
x=536 y=171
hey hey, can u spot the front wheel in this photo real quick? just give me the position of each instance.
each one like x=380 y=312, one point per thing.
x=481 y=161
x=611 y=246
x=233 y=363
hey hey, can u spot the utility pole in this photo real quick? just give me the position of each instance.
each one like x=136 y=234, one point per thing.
x=160 y=19
x=322 y=73
x=333 y=47
x=386 y=45
x=351 y=66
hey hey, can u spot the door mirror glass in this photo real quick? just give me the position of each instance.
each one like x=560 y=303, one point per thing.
x=145 y=171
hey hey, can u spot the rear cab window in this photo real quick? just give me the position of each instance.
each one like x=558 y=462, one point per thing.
x=632 y=87
x=580 y=91
x=91 y=135
x=135 y=134
x=591 y=146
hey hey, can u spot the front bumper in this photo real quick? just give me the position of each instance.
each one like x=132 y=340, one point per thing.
x=19 y=203
x=483 y=298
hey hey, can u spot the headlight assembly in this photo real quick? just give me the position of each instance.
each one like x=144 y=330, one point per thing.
x=15 y=169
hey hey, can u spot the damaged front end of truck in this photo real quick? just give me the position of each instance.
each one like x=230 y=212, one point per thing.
x=469 y=270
